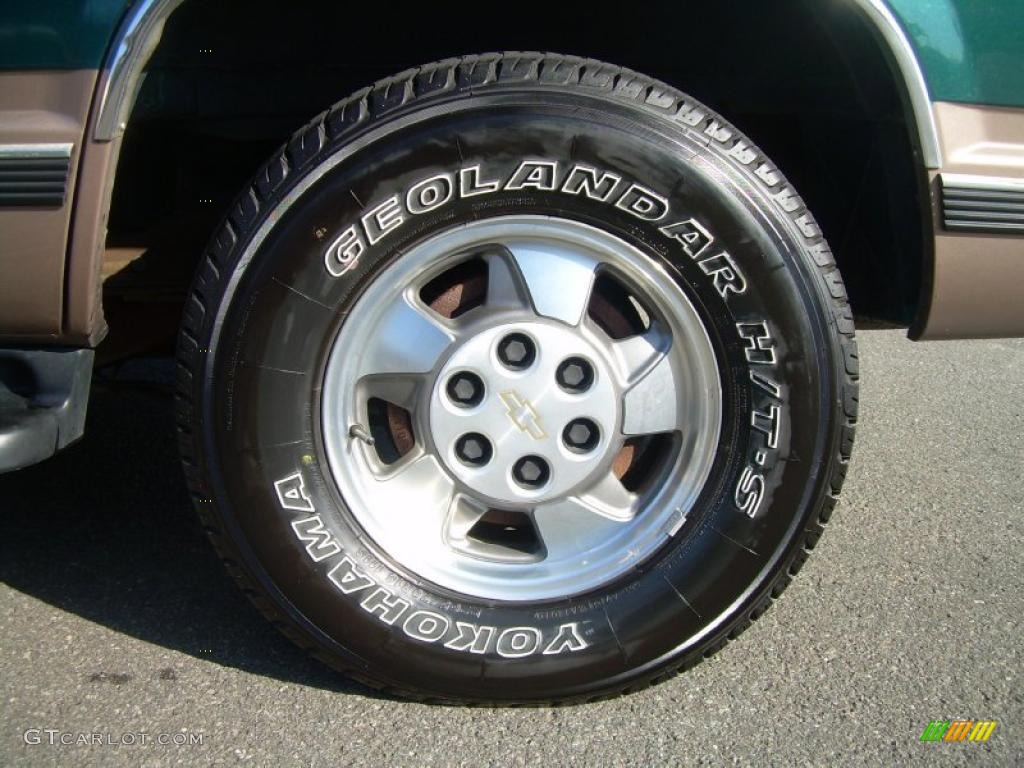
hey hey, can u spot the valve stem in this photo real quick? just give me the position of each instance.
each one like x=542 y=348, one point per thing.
x=360 y=432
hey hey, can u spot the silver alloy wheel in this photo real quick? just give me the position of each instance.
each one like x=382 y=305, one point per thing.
x=518 y=411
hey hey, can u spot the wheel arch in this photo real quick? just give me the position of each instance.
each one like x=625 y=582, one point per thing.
x=152 y=81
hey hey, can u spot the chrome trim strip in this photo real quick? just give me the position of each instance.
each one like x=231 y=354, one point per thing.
x=132 y=46
x=30 y=151
x=987 y=183
x=917 y=90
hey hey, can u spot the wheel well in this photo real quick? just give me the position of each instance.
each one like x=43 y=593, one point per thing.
x=230 y=81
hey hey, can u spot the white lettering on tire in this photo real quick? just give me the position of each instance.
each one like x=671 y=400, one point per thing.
x=319 y=542
x=434 y=192
x=471 y=637
x=291 y=492
x=343 y=254
x=766 y=418
x=516 y=642
x=429 y=194
x=426 y=626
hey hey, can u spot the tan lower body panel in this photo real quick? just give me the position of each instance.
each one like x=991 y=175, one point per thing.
x=975 y=284
x=84 y=322
x=39 y=108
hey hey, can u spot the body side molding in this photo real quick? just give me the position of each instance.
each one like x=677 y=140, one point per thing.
x=982 y=203
x=34 y=174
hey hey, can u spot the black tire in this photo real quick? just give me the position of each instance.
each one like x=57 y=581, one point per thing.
x=263 y=311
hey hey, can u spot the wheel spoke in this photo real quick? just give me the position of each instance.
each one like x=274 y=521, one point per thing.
x=636 y=355
x=609 y=498
x=559 y=280
x=651 y=404
x=402 y=389
x=463 y=513
x=574 y=526
x=417 y=494
x=409 y=340
x=506 y=288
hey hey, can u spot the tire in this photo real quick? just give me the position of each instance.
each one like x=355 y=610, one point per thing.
x=417 y=193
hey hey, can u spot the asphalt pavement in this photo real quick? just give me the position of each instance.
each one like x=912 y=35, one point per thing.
x=116 y=618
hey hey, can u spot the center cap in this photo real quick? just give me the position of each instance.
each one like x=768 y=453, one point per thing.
x=525 y=412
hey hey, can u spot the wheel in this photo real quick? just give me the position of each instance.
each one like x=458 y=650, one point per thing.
x=516 y=378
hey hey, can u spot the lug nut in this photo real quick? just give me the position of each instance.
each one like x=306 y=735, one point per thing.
x=474 y=449
x=581 y=435
x=531 y=472
x=517 y=351
x=575 y=375
x=465 y=389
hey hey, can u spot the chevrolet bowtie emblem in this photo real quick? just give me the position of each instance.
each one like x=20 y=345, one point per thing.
x=523 y=414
